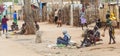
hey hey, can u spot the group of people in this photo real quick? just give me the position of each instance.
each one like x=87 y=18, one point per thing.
x=24 y=27
x=14 y=26
x=92 y=36
x=4 y=24
x=111 y=23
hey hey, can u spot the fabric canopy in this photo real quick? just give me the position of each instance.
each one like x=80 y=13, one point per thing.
x=1 y=8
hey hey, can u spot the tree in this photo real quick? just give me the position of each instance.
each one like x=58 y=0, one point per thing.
x=30 y=28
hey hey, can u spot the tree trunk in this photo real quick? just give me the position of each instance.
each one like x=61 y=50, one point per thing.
x=30 y=28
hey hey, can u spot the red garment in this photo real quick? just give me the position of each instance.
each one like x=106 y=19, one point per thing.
x=1 y=8
x=4 y=21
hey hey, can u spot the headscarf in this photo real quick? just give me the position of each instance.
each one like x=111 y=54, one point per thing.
x=65 y=33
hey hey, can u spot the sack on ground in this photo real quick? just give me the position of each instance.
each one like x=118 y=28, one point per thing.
x=114 y=23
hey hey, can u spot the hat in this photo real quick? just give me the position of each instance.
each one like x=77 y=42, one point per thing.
x=64 y=31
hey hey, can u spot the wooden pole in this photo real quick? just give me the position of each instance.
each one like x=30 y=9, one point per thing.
x=71 y=20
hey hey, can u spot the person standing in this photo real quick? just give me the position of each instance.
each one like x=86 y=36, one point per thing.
x=59 y=20
x=15 y=17
x=56 y=16
x=83 y=21
x=4 y=24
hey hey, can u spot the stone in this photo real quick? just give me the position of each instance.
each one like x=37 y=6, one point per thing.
x=38 y=37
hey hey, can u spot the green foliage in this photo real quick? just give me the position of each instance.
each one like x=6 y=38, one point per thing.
x=108 y=0
x=15 y=1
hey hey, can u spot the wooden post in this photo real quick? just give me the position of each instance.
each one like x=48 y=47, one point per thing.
x=71 y=14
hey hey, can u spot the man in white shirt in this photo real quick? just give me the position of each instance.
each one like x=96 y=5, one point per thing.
x=56 y=16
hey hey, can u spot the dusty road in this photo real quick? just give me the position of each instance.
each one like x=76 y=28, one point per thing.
x=10 y=48
x=24 y=45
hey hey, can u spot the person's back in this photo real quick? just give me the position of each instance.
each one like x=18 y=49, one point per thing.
x=66 y=38
x=4 y=20
x=14 y=15
x=4 y=24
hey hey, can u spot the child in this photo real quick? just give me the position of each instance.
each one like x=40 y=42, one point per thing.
x=4 y=24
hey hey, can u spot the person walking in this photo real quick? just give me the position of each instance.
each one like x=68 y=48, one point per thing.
x=111 y=31
x=4 y=24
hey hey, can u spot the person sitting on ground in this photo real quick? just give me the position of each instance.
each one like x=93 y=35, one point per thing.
x=23 y=28
x=96 y=32
x=86 y=41
x=14 y=26
x=36 y=25
x=98 y=23
x=65 y=40
x=95 y=36
x=90 y=37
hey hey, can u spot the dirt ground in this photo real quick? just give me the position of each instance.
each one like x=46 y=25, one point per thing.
x=50 y=34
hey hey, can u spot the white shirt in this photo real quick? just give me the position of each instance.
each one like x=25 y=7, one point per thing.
x=56 y=13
